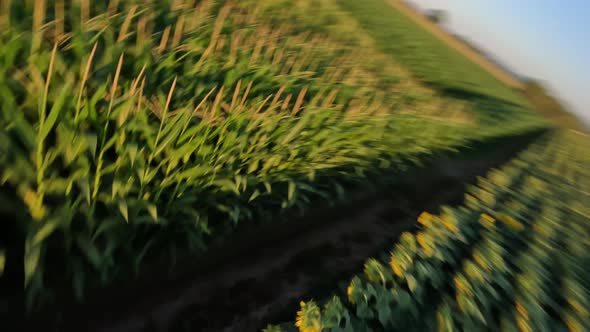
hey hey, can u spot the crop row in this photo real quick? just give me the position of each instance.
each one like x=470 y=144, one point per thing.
x=134 y=129
x=513 y=258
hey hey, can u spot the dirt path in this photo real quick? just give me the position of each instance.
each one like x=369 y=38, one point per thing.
x=265 y=277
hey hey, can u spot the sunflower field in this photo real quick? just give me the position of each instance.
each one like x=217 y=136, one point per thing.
x=514 y=257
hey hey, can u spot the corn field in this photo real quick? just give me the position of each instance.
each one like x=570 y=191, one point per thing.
x=136 y=129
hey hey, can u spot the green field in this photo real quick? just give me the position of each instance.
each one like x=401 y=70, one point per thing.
x=429 y=58
x=136 y=130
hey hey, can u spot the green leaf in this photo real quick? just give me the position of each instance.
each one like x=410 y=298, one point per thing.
x=171 y=137
x=109 y=143
x=92 y=142
x=255 y=194
x=412 y=283
x=54 y=113
x=270 y=162
x=230 y=78
x=25 y=131
x=363 y=310
x=48 y=227
x=404 y=298
x=268 y=186
x=116 y=187
x=194 y=172
x=227 y=185
x=383 y=306
x=123 y=209
x=32 y=254
x=84 y=185
x=295 y=130
x=132 y=151
x=253 y=166
x=153 y=211
x=291 y=191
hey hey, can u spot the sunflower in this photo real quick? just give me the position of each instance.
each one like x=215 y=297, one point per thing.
x=487 y=220
x=487 y=197
x=396 y=267
x=522 y=310
x=462 y=285
x=578 y=307
x=470 y=200
x=449 y=224
x=488 y=217
x=474 y=272
x=309 y=317
x=573 y=325
x=408 y=242
x=352 y=289
x=523 y=324
x=425 y=218
x=424 y=242
x=477 y=257
x=512 y=223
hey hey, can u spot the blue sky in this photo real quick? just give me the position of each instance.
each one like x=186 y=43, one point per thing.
x=544 y=39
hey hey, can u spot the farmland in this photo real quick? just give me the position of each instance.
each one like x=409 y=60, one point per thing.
x=466 y=48
x=511 y=258
x=429 y=58
x=451 y=66
x=138 y=133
